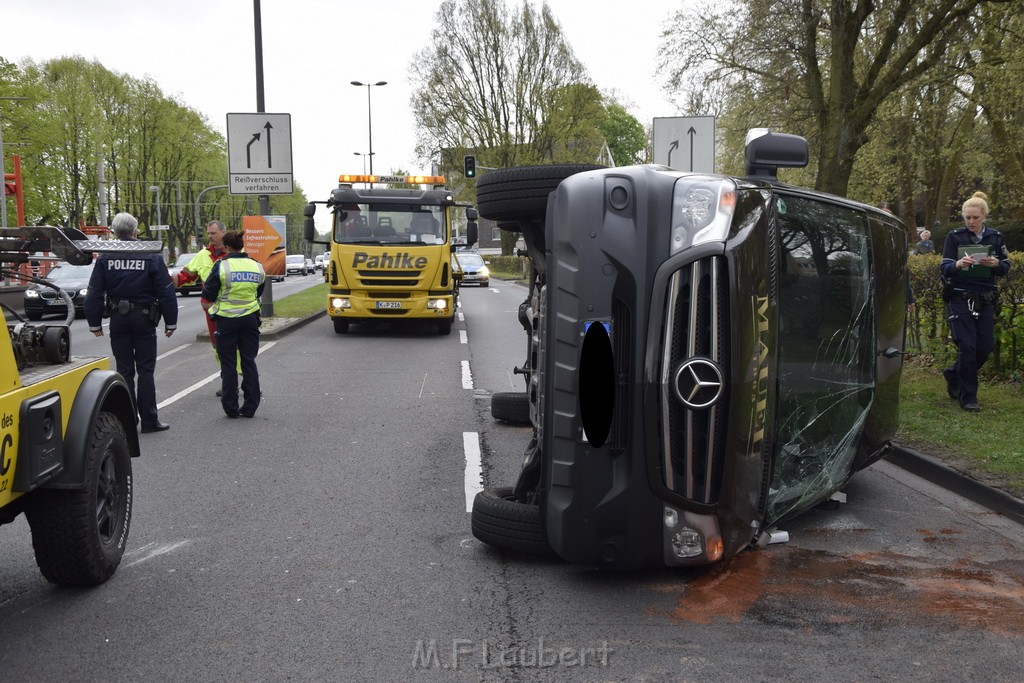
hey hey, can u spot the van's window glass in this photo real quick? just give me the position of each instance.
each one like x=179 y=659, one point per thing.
x=826 y=338
x=389 y=224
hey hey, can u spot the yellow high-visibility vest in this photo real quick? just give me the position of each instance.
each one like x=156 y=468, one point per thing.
x=239 y=280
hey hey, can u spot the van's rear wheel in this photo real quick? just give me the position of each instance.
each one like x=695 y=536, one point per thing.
x=79 y=535
x=501 y=521
x=511 y=406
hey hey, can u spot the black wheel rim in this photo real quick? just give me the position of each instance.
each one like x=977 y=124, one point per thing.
x=108 y=498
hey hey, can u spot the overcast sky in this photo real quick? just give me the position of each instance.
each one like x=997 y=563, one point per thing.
x=202 y=52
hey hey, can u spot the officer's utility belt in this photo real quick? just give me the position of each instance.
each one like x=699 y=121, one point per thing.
x=988 y=297
x=124 y=307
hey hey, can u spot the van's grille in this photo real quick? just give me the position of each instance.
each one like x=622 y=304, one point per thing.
x=693 y=439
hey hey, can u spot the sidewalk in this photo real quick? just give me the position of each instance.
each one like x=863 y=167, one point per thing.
x=940 y=474
x=904 y=457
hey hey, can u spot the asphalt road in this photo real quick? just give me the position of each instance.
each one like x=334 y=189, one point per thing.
x=328 y=539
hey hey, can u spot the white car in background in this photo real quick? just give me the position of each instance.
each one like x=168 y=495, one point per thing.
x=295 y=264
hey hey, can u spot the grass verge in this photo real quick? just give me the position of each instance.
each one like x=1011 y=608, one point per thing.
x=301 y=304
x=985 y=445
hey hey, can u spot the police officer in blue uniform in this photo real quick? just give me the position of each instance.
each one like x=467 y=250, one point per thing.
x=972 y=258
x=136 y=290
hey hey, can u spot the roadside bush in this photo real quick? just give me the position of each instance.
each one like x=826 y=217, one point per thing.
x=508 y=267
x=928 y=337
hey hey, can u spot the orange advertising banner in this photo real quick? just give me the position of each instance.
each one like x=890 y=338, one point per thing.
x=261 y=238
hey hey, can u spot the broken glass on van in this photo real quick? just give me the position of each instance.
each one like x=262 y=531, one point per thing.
x=826 y=336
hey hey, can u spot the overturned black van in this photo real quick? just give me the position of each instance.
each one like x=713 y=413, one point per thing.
x=707 y=355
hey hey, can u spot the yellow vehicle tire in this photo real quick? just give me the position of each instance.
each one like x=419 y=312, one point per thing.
x=79 y=535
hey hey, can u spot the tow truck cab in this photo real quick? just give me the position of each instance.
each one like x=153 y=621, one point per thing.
x=390 y=251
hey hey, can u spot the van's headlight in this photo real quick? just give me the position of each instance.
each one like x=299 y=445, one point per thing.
x=702 y=210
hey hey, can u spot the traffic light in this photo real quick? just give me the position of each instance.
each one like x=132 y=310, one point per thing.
x=469 y=162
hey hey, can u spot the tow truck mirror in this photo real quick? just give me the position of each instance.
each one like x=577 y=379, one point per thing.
x=472 y=231
x=308 y=227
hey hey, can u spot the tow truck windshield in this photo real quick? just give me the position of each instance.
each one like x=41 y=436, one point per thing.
x=390 y=224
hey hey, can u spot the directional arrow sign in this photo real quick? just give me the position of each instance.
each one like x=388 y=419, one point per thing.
x=258 y=162
x=685 y=143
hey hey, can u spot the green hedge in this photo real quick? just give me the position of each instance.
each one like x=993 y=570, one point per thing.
x=508 y=267
x=928 y=336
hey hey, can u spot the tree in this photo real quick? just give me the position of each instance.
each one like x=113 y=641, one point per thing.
x=824 y=68
x=490 y=81
x=627 y=140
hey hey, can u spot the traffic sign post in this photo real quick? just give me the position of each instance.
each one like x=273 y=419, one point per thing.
x=260 y=153
x=685 y=143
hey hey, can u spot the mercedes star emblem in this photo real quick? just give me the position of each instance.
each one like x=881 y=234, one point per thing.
x=699 y=383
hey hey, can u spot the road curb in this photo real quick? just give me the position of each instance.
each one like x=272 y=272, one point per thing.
x=277 y=329
x=943 y=475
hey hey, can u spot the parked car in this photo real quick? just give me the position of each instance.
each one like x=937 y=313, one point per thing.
x=40 y=300
x=295 y=264
x=474 y=268
x=195 y=286
x=691 y=382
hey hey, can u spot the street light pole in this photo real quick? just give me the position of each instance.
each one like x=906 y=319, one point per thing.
x=156 y=189
x=369 y=114
x=364 y=155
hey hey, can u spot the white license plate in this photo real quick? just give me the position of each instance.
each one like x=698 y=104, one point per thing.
x=389 y=304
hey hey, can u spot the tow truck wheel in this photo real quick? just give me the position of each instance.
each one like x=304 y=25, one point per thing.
x=340 y=326
x=79 y=536
x=507 y=195
x=444 y=327
x=511 y=406
x=57 y=344
x=501 y=521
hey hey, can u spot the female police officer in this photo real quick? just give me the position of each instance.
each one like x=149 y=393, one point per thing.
x=234 y=288
x=972 y=257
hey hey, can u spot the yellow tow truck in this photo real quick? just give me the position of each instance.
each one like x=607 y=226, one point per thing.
x=67 y=425
x=390 y=251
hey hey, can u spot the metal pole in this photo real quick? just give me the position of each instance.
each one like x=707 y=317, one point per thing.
x=199 y=227
x=156 y=189
x=369 y=124
x=267 y=301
